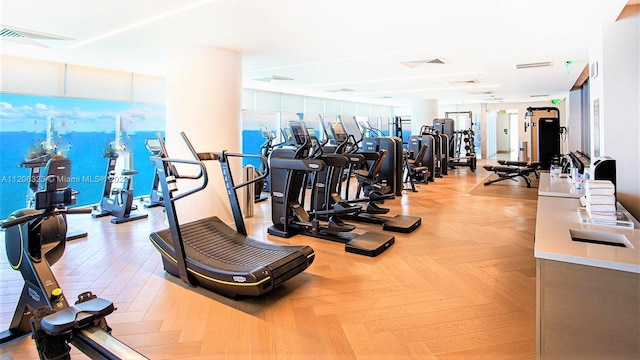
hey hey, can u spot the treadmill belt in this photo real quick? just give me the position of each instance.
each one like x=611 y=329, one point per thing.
x=213 y=243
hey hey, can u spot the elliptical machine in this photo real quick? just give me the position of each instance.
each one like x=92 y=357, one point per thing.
x=34 y=241
x=117 y=202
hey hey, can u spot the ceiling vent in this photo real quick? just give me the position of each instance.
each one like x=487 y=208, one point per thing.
x=463 y=82
x=417 y=63
x=341 y=90
x=534 y=65
x=275 y=78
x=30 y=37
x=481 y=93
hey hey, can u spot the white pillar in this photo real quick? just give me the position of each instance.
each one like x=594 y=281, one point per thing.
x=203 y=99
x=422 y=113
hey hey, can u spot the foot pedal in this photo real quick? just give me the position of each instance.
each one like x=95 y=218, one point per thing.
x=343 y=208
x=337 y=225
x=373 y=208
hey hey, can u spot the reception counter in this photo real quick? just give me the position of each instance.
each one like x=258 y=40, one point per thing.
x=588 y=293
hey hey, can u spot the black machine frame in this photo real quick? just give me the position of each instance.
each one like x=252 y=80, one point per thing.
x=209 y=253
x=117 y=202
x=35 y=240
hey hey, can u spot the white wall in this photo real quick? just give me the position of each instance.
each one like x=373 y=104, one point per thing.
x=574 y=122
x=616 y=51
x=264 y=100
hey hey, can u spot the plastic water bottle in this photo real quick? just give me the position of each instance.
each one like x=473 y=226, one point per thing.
x=552 y=171
x=578 y=181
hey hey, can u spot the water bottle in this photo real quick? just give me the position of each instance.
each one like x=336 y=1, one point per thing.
x=552 y=171
x=578 y=181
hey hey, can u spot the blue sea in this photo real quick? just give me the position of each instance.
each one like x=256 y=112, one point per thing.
x=87 y=163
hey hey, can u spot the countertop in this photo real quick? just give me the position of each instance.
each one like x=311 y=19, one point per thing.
x=556 y=215
x=560 y=186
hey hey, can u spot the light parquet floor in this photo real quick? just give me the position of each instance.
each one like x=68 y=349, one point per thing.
x=462 y=286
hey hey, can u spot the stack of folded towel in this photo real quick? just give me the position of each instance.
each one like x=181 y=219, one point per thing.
x=600 y=199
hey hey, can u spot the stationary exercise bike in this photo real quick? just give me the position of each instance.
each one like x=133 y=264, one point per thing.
x=156 y=148
x=117 y=202
x=35 y=240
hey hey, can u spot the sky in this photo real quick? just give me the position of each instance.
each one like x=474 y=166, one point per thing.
x=30 y=113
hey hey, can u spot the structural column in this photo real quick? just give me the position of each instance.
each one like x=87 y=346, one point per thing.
x=203 y=99
x=422 y=113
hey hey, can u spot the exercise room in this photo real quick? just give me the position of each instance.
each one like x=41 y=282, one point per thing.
x=214 y=179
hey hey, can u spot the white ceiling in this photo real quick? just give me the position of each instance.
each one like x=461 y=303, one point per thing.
x=335 y=44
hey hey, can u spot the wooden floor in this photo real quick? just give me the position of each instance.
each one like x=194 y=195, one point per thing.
x=462 y=286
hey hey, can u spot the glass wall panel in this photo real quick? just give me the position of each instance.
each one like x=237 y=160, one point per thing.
x=257 y=126
x=80 y=129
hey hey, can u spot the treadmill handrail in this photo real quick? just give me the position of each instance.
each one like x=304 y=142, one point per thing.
x=230 y=185
x=202 y=174
x=222 y=157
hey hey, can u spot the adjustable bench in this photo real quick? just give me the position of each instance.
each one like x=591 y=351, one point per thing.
x=509 y=170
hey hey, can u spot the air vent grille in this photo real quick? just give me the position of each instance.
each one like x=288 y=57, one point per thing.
x=32 y=37
x=8 y=33
x=435 y=61
x=534 y=65
x=481 y=93
x=417 y=63
x=462 y=82
x=274 y=78
x=341 y=90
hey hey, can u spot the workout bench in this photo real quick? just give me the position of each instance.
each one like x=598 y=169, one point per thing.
x=509 y=170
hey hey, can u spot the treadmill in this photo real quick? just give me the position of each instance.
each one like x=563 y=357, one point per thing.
x=211 y=254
